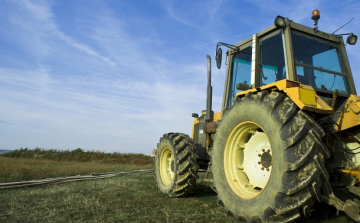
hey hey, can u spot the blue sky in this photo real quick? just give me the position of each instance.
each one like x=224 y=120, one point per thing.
x=115 y=75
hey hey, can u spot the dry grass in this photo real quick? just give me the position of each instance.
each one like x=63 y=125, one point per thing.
x=20 y=169
x=79 y=155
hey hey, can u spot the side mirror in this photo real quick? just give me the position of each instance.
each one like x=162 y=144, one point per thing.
x=352 y=39
x=242 y=86
x=218 y=58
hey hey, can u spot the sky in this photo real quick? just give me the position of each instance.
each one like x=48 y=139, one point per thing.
x=115 y=75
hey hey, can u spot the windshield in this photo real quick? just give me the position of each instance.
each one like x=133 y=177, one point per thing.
x=318 y=64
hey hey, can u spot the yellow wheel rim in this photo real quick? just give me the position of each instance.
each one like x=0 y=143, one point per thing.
x=248 y=160
x=167 y=166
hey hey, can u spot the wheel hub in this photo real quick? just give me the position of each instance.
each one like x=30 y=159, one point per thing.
x=266 y=159
x=257 y=160
x=248 y=160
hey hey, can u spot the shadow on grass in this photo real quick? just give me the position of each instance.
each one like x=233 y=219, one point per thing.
x=204 y=190
x=325 y=213
x=320 y=213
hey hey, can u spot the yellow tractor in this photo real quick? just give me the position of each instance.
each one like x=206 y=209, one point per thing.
x=287 y=135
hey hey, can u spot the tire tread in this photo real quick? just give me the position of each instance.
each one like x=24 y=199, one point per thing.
x=184 y=182
x=302 y=179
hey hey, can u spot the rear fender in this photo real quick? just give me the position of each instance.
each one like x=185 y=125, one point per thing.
x=350 y=115
x=303 y=96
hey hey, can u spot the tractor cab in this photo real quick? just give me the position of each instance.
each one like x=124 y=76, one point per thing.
x=288 y=50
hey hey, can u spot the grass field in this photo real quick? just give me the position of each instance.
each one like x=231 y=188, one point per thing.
x=20 y=169
x=33 y=164
x=131 y=198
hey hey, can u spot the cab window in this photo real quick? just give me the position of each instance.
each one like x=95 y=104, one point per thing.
x=272 y=60
x=241 y=72
x=318 y=63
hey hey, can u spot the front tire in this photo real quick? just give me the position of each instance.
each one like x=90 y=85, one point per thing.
x=176 y=165
x=265 y=159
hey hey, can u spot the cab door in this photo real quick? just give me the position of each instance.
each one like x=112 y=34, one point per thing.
x=238 y=71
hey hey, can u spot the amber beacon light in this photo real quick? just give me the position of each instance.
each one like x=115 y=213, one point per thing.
x=315 y=16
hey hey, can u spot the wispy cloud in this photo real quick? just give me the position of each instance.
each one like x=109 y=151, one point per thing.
x=176 y=15
x=117 y=101
x=113 y=75
x=38 y=21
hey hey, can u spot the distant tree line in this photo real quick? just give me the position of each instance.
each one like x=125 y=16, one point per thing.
x=79 y=155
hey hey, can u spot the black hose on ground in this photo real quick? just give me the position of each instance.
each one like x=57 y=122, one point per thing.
x=57 y=180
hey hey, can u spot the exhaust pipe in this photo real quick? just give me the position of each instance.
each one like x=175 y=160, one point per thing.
x=209 y=91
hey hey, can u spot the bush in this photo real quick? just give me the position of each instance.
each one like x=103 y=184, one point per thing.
x=79 y=155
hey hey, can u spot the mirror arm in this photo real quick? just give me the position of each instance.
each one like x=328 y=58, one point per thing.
x=236 y=48
x=219 y=52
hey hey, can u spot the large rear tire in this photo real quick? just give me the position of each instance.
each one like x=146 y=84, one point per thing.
x=266 y=158
x=176 y=165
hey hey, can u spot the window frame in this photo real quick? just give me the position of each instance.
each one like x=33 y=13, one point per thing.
x=339 y=52
x=260 y=39
x=231 y=53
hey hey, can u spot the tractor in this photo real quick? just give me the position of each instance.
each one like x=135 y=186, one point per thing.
x=287 y=135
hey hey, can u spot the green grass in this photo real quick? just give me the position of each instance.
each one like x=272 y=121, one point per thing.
x=121 y=199
x=132 y=198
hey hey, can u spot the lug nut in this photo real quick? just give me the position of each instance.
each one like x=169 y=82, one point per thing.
x=262 y=168
x=259 y=155
x=267 y=169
